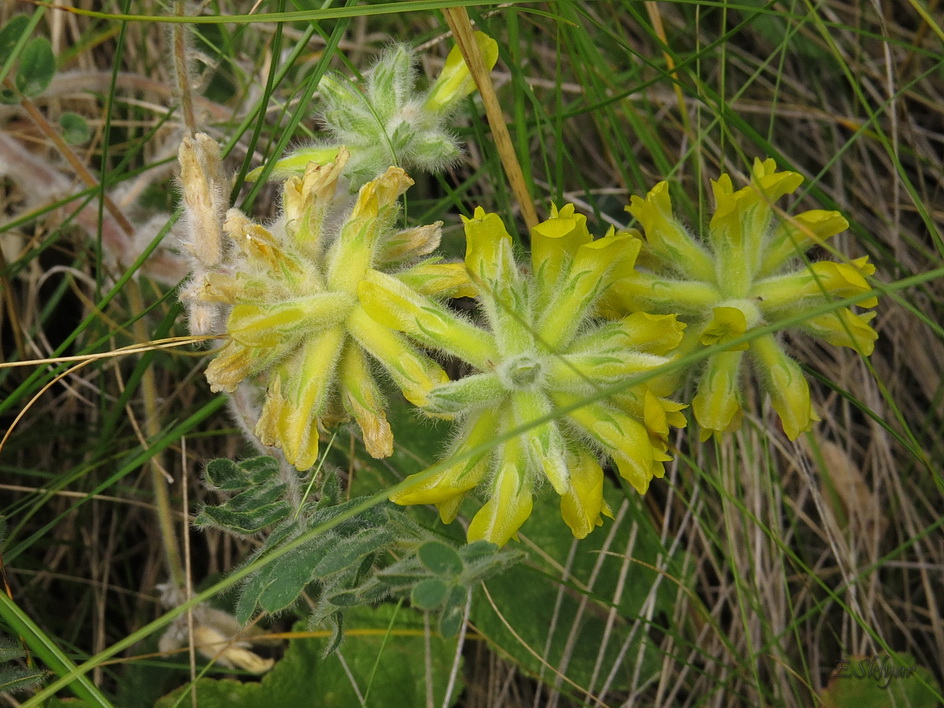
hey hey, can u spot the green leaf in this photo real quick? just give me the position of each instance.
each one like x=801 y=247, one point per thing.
x=14 y=679
x=479 y=550
x=277 y=585
x=450 y=621
x=243 y=522
x=260 y=499
x=10 y=649
x=337 y=634
x=878 y=681
x=227 y=475
x=381 y=666
x=528 y=597
x=440 y=558
x=349 y=598
x=10 y=34
x=429 y=594
x=351 y=550
x=37 y=67
x=75 y=129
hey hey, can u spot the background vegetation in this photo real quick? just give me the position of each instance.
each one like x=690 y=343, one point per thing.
x=741 y=579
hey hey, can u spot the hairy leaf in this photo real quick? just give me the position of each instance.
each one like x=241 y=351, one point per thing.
x=440 y=558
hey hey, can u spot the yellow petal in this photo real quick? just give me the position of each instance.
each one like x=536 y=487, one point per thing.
x=449 y=509
x=267 y=427
x=362 y=400
x=413 y=372
x=643 y=291
x=219 y=287
x=784 y=381
x=391 y=303
x=554 y=242
x=458 y=478
x=455 y=82
x=844 y=279
x=411 y=243
x=796 y=234
x=488 y=256
x=717 y=406
x=501 y=289
x=582 y=505
x=229 y=367
x=305 y=384
x=510 y=503
x=227 y=651
x=595 y=266
x=374 y=211
x=839 y=279
x=279 y=323
x=844 y=328
x=668 y=240
x=658 y=413
x=623 y=437
x=655 y=334
x=261 y=247
x=543 y=443
x=307 y=199
x=655 y=414
x=297 y=162
x=817 y=281
x=204 y=193
x=727 y=323
x=771 y=183
x=739 y=226
x=440 y=488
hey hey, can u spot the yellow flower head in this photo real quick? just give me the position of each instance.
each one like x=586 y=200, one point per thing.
x=541 y=349
x=747 y=272
x=294 y=319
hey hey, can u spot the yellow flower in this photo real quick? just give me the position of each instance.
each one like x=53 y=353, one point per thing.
x=747 y=272
x=455 y=82
x=294 y=318
x=583 y=505
x=717 y=405
x=542 y=349
x=726 y=323
x=789 y=392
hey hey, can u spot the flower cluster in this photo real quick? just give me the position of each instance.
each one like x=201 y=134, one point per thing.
x=289 y=295
x=749 y=272
x=567 y=359
x=542 y=351
x=385 y=121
